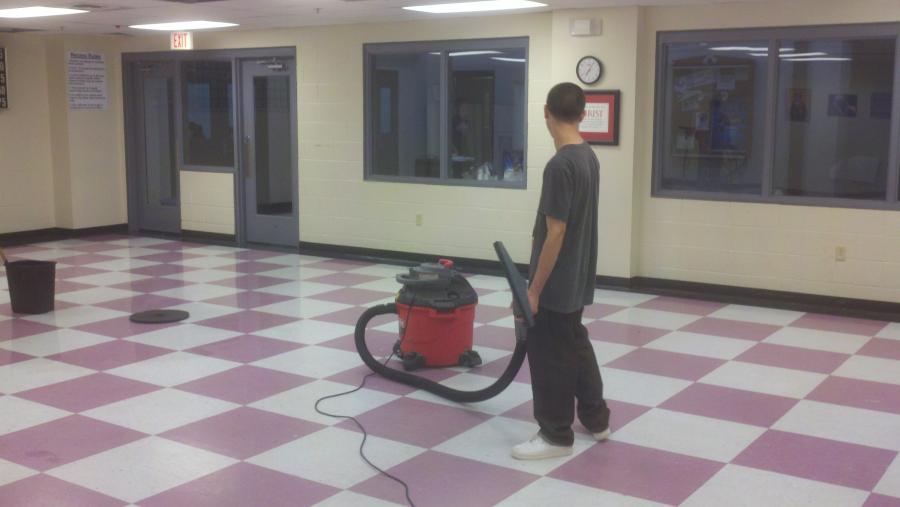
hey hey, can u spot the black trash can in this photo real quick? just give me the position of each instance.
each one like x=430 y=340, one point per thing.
x=32 y=285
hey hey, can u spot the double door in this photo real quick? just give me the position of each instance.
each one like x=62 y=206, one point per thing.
x=230 y=114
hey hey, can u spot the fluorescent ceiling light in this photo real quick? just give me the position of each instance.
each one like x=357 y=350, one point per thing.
x=795 y=55
x=820 y=59
x=470 y=53
x=183 y=25
x=501 y=59
x=488 y=5
x=738 y=48
x=36 y=12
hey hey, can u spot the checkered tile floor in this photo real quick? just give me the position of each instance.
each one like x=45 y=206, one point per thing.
x=713 y=405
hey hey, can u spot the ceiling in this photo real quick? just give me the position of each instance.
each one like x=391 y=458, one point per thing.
x=114 y=16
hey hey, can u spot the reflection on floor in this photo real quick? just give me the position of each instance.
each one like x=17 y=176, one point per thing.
x=713 y=405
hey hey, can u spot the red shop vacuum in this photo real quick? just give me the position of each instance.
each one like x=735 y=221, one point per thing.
x=436 y=314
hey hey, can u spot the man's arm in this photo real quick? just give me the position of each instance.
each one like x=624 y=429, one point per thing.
x=556 y=231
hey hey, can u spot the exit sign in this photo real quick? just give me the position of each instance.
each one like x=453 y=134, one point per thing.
x=182 y=40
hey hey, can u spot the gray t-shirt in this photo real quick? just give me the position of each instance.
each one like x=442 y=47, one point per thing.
x=570 y=193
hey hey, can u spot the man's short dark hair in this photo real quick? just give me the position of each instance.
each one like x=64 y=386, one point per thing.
x=566 y=102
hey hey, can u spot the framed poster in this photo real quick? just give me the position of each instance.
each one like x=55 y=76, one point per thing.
x=601 y=119
x=4 y=99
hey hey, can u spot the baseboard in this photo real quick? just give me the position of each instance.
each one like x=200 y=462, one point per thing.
x=847 y=307
x=212 y=238
x=58 y=234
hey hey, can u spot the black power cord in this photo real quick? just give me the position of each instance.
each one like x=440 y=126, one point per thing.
x=362 y=444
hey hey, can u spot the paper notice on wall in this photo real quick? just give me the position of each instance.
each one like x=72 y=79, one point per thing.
x=86 y=81
x=596 y=118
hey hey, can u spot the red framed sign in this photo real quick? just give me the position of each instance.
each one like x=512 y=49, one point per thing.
x=601 y=119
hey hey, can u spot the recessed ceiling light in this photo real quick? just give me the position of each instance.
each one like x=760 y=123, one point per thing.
x=797 y=55
x=488 y=5
x=183 y=25
x=820 y=59
x=738 y=48
x=37 y=12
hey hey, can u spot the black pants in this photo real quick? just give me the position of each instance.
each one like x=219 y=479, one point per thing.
x=563 y=369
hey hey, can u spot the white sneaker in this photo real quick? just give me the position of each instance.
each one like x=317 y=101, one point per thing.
x=602 y=436
x=538 y=448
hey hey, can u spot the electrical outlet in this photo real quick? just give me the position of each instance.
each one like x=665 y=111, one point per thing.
x=840 y=253
x=419 y=220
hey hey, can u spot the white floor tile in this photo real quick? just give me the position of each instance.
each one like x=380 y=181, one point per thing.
x=209 y=250
x=492 y=442
x=198 y=292
x=141 y=469
x=844 y=424
x=34 y=373
x=140 y=242
x=717 y=347
x=131 y=252
x=11 y=472
x=202 y=276
x=312 y=361
x=692 y=435
x=500 y=299
x=890 y=482
x=516 y=394
x=875 y=369
x=383 y=270
x=756 y=314
x=206 y=262
x=300 y=402
x=17 y=414
x=764 y=379
x=122 y=264
x=489 y=282
x=160 y=411
x=652 y=318
x=54 y=342
x=620 y=298
x=95 y=295
x=608 y=352
x=173 y=369
x=891 y=331
x=294 y=260
x=545 y=492
x=331 y=456
x=200 y=311
x=50 y=255
x=737 y=486
x=350 y=499
x=297 y=273
x=300 y=289
x=183 y=337
x=640 y=388
x=309 y=332
x=383 y=285
x=74 y=317
x=304 y=308
x=818 y=340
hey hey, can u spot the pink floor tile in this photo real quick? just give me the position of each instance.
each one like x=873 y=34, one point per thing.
x=637 y=471
x=473 y=483
x=621 y=414
x=251 y=267
x=858 y=393
x=85 y=393
x=876 y=500
x=141 y=303
x=243 y=432
x=818 y=459
x=345 y=279
x=247 y=321
x=246 y=348
x=169 y=257
x=816 y=361
x=883 y=348
x=76 y=272
x=730 y=404
x=63 y=441
x=677 y=305
x=244 y=384
x=85 y=259
x=161 y=270
x=379 y=343
x=19 y=328
x=349 y=317
x=355 y=376
x=731 y=329
x=598 y=310
x=495 y=337
x=150 y=285
x=43 y=490
x=248 y=299
x=840 y=324
x=350 y=296
x=485 y=314
x=121 y=327
x=626 y=334
x=249 y=282
x=668 y=364
x=109 y=355
x=9 y=357
x=244 y=485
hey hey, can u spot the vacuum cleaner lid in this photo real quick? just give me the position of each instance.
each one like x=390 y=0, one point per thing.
x=443 y=290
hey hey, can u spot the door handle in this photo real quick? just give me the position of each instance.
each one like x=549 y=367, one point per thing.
x=245 y=157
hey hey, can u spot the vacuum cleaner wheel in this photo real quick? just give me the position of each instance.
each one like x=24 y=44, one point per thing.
x=469 y=359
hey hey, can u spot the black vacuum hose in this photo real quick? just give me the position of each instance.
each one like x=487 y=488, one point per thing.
x=515 y=363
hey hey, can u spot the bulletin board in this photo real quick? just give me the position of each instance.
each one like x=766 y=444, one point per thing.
x=711 y=112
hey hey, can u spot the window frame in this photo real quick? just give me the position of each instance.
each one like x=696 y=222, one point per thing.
x=371 y=50
x=772 y=36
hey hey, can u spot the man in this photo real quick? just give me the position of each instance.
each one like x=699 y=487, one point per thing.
x=563 y=271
